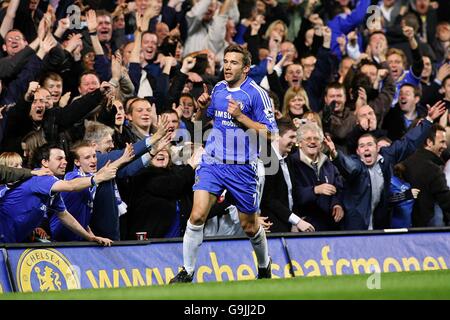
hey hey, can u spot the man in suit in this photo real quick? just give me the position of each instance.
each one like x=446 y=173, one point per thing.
x=433 y=204
x=277 y=199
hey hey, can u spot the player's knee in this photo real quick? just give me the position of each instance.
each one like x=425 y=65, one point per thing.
x=197 y=217
x=249 y=228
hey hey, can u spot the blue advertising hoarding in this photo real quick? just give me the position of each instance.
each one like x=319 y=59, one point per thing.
x=368 y=254
x=62 y=268
x=43 y=269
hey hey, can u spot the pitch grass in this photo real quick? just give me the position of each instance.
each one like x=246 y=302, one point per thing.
x=403 y=285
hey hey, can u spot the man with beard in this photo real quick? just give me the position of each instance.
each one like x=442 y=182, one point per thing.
x=424 y=171
x=241 y=111
x=368 y=174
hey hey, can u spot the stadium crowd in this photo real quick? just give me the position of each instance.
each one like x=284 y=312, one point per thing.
x=99 y=99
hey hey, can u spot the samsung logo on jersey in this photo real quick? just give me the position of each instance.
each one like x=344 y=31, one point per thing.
x=223 y=114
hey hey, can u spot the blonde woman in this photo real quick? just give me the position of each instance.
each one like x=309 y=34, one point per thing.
x=278 y=26
x=11 y=159
x=295 y=103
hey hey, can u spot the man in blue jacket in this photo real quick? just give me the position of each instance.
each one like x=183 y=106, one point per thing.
x=368 y=174
x=107 y=203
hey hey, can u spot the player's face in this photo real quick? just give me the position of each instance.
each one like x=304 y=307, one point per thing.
x=367 y=150
x=234 y=69
x=310 y=144
x=57 y=162
x=87 y=159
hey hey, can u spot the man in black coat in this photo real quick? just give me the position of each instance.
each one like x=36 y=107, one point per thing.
x=277 y=198
x=424 y=170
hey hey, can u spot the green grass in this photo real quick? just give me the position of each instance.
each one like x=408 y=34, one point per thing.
x=403 y=285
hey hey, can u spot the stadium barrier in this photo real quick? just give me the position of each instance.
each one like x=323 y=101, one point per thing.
x=60 y=266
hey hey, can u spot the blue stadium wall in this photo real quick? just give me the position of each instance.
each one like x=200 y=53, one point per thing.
x=39 y=267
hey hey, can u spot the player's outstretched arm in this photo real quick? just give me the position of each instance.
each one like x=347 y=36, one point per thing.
x=70 y=222
x=106 y=173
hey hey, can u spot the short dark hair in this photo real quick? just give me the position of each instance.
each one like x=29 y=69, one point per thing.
x=170 y=111
x=376 y=32
x=285 y=124
x=432 y=133
x=334 y=85
x=85 y=73
x=43 y=153
x=246 y=56
x=417 y=89
x=367 y=135
x=445 y=80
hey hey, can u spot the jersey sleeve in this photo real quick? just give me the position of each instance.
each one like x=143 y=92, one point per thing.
x=43 y=185
x=263 y=109
x=58 y=204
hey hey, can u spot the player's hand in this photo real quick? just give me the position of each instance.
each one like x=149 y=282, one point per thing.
x=204 y=99
x=234 y=109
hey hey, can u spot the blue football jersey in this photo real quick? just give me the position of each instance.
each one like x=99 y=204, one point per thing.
x=79 y=204
x=22 y=208
x=229 y=141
